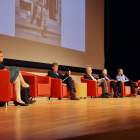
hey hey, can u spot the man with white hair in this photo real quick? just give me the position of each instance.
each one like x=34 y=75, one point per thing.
x=100 y=82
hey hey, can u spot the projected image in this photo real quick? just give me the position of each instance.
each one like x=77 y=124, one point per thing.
x=38 y=20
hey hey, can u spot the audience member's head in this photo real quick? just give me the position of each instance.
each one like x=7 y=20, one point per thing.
x=120 y=71
x=55 y=66
x=89 y=70
x=104 y=71
x=1 y=57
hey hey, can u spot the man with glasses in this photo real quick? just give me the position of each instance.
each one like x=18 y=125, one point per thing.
x=54 y=73
x=100 y=82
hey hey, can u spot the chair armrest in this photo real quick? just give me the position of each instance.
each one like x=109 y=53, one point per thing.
x=56 y=87
x=43 y=79
x=5 y=85
x=33 y=82
x=136 y=83
x=90 y=83
x=56 y=83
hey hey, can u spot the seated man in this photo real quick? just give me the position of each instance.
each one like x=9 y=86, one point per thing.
x=100 y=82
x=127 y=82
x=113 y=83
x=54 y=73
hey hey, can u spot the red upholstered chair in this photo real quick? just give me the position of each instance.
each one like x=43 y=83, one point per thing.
x=126 y=90
x=4 y=86
x=139 y=85
x=58 y=90
x=92 y=88
x=41 y=85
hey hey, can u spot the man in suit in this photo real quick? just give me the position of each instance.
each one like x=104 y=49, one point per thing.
x=100 y=82
x=54 y=73
x=113 y=83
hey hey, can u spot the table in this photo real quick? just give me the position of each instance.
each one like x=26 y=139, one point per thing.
x=81 y=89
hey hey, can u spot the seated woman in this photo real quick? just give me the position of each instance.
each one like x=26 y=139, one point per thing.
x=127 y=82
x=17 y=80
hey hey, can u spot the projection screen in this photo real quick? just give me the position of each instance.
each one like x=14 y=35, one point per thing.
x=69 y=32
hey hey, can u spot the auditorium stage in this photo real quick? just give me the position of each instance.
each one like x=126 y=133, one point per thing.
x=91 y=118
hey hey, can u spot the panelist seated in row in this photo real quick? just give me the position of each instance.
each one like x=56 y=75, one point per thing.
x=100 y=82
x=114 y=84
x=66 y=79
x=127 y=82
x=17 y=80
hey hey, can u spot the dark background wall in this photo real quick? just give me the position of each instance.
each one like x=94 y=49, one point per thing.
x=122 y=43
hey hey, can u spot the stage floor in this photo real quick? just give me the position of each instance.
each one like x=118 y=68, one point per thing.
x=58 y=119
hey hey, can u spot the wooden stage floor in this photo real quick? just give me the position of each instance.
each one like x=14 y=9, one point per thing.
x=60 y=119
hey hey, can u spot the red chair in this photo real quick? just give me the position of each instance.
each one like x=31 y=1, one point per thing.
x=92 y=88
x=41 y=85
x=58 y=90
x=126 y=90
x=139 y=85
x=5 y=86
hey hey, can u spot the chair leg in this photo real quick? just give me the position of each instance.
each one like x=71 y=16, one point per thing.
x=6 y=104
x=48 y=98
x=59 y=98
x=91 y=96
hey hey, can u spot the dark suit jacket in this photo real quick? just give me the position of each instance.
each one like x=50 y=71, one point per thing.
x=87 y=76
x=52 y=74
x=2 y=66
x=103 y=76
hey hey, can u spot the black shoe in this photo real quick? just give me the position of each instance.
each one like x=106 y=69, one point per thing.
x=29 y=102
x=26 y=87
x=116 y=96
x=105 y=96
x=120 y=95
x=17 y=103
x=134 y=95
x=109 y=93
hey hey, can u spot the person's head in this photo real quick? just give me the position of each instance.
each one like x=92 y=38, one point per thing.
x=104 y=71
x=55 y=66
x=120 y=71
x=1 y=57
x=89 y=70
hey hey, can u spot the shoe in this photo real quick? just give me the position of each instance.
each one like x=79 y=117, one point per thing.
x=105 y=95
x=29 y=102
x=73 y=96
x=120 y=95
x=134 y=95
x=26 y=87
x=109 y=93
x=17 y=103
x=33 y=101
x=115 y=96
